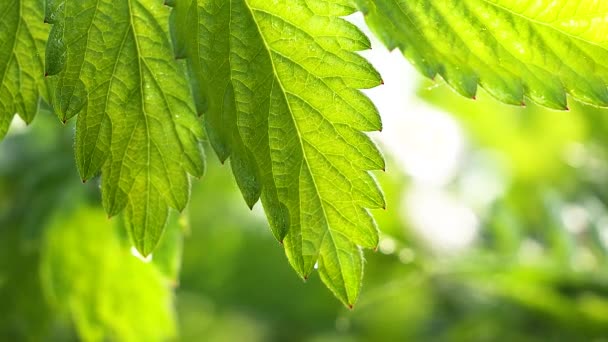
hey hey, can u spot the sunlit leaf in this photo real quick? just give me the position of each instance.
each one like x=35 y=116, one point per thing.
x=168 y=255
x=136 y=120
x=90 y=273
x=22 y=37
x=536 y=49
x=278 y=82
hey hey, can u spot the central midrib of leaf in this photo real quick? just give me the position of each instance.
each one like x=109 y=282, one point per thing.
x=279 y=86
x=544 y=24
x=136 y=125
x=86 y=167
x=516 y=51
x=301 y=138
x=145 y=115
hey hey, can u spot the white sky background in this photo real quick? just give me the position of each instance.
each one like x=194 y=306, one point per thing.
x=427 y=144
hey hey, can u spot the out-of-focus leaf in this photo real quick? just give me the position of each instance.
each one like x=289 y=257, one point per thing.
x=90 y=274
x=168 y=256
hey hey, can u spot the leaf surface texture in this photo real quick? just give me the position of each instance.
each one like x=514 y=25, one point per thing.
x=515 y=49
x=22 y=37
x=278 y=83
x=136 y=121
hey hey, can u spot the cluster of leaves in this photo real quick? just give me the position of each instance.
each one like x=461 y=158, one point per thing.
x=278 y=87
x=232 y=287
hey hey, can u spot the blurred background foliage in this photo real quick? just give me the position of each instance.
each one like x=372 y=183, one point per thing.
x=527 y=262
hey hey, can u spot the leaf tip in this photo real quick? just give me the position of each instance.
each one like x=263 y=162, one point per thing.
x=251 y=202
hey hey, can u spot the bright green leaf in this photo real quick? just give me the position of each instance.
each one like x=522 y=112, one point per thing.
x=279 y=84
x=89 y=273
x=536 y=49
x=22 y=37
x=136 y=120
x=168 y=255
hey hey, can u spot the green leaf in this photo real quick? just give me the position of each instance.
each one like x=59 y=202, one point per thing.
x=541 y=50
x=22 y=37
x=279 y=84
x=89 y=273
x=168 y=256
x=136 y=121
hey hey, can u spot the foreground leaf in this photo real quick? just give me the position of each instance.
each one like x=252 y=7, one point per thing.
x=136 y=122
x=541 y=50
x=22 y=36
x=278 y=82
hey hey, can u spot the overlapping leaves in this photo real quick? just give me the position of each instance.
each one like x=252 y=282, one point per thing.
x=541 y=50
x=278 y=82
x=136 y=121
